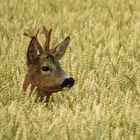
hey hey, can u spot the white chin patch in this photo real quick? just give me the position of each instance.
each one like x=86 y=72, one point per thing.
x=66 y=88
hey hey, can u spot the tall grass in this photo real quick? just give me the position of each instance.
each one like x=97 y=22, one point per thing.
x=103 y=57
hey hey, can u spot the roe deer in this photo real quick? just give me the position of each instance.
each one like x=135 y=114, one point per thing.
x=44 y=70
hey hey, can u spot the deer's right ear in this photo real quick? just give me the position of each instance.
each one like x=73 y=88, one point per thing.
x=60 y=49
x=32 y=51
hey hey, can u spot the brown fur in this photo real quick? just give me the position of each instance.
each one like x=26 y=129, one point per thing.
x=45 y=82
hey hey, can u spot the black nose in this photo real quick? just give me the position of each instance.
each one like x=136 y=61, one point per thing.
x=68 y=82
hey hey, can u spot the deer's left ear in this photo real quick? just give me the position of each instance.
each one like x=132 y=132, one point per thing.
x=60 y=49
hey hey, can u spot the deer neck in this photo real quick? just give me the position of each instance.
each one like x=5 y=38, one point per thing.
x=44 y=95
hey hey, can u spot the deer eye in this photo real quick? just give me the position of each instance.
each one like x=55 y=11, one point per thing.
x=45 y=68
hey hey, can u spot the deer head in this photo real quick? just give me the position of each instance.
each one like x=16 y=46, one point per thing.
x=44 y=70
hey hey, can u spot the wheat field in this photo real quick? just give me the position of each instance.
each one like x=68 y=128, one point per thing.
x=103 y=57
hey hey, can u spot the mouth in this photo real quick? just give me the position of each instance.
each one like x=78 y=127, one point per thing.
x=60 y=88
x=66 y=88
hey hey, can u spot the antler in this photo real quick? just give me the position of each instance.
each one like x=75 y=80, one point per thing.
x=47 y=34
x=37 y=42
